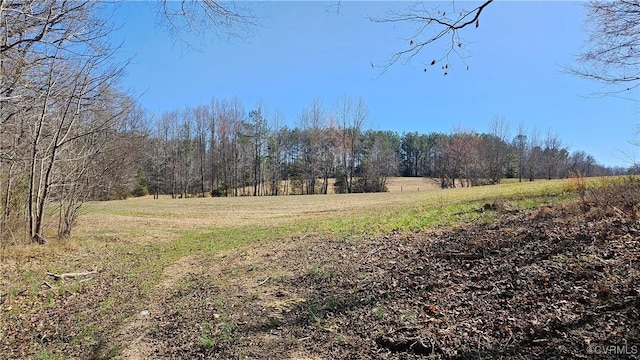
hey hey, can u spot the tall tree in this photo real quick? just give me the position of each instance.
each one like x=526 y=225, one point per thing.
x=379 y=161
x=351 y=114
x=257 y=132
x=498 y=153
x=464 y=154
x=520 y=145
x=202 y=117
x=312 y=120
x=554 y=156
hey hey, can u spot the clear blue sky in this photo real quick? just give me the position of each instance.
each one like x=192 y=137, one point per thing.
x=301 y=50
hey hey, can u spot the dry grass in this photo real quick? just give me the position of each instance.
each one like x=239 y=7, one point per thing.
x=146 y=219
x=409 y=184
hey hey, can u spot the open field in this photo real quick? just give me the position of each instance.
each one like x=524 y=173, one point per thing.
x=145 y=218
x=326 y=276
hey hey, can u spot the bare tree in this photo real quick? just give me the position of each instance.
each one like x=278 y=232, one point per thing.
x=202 y=117
x=464 y=153
x=56 y=75
x=554 y=155
x=229 y=116
x=520 y=144
x=275 y=153
x=351 y=116
x=256 y=131
x=431 y=25
x=612 y=54
x=312 y=120
x=497 y=154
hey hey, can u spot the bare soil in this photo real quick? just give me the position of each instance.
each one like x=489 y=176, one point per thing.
x=559 y=282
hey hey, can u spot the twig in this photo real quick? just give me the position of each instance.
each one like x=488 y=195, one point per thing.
x=618 y=211
x=264 y=281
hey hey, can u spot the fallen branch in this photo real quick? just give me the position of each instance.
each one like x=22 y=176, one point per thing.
x=264 y=281
x=70 y=275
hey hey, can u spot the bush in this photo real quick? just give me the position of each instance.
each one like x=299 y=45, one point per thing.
x=617 y=195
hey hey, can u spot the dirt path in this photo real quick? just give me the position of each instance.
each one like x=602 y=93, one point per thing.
x=135 y=334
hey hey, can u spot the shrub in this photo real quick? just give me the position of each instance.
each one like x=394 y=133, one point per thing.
x=618 y=195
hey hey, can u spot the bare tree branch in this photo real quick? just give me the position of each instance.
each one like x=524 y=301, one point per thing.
x=198 y=17
x=432 y=25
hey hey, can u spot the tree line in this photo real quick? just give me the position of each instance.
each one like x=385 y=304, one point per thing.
x=221 y=149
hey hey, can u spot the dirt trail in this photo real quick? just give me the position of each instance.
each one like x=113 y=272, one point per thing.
x=135 y=334
x=238 y=290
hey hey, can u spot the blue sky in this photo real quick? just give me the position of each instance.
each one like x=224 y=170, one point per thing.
x=302 y=50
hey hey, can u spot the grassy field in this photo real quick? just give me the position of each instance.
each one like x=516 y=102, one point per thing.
x=147 y=220
x=132 y=243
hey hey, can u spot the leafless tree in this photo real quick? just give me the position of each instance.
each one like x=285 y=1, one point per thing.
x=202 y=116
x=497 y=153
x=464 y=153
x=351 y=114
x=554 y=155
x=228 y=120
x=256 y=132
x=56 y=76
x=312 y=120
x=275 y=157
x=612 y=53
x=432 y=25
